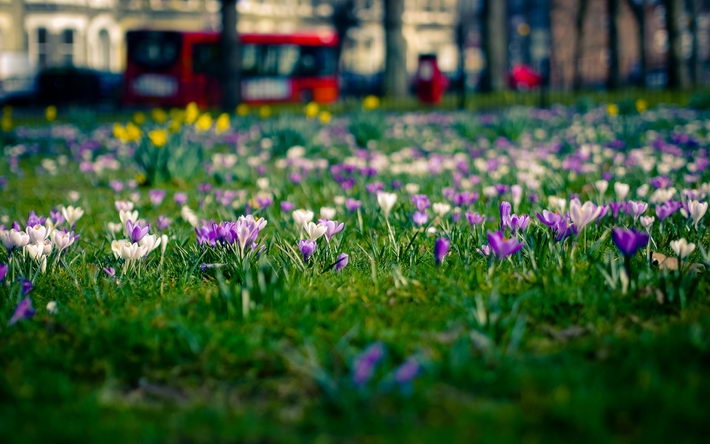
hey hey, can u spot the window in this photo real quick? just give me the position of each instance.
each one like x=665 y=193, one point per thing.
x=42 y=47
x=104 y=50
x=66 y=49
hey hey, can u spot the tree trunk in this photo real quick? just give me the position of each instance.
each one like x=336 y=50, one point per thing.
x=579 y=44
x=639 y=12
x=231 y=56
x=695 y=63
x=677 y=74
x=396 y=78
x=613 y=80
x=495 y=45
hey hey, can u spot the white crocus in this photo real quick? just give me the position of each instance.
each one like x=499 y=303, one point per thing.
x=35 y=251
x=189 y=216
x=72 y=214
x=622 y=190
x=314 y=231
x=583 y=214
x=149 y=242
x=386 y=201
x=126 y=215
x=18 y=238
x=440 y=208
x=697 y=210
x=327 y=213
x=647 y=222
x=38 y=233
x=601 y=186
x=62 y=240
x=682 y=247
x=301 y=217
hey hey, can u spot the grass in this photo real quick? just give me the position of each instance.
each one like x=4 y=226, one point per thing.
x=540 y=346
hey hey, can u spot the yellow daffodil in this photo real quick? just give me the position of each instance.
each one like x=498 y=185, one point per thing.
x=192 y=112
x=139 y=118
x=133 y=132
x=242 y=109
x=311 y=110
x=641 y=105
x=51 y=113
x=204 y=122
x=159 y=115
x=159 y=137
x=265 y=111
x=6 y=123
x=222 y=123
x=612 y=109
x=325 y=117
x=174 y=126
x=371 y=102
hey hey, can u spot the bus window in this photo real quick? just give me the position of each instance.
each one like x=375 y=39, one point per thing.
x=315 y=61
x=154 y=50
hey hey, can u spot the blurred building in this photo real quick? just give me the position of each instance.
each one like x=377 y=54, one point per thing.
x=90 y=33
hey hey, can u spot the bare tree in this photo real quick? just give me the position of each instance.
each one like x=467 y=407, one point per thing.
x=395 y=81
x=231 y=56
x=495 y=44
x=579 y=43
x=638 y=10
x=613 y=80
x=677 y=72
x=695 y=62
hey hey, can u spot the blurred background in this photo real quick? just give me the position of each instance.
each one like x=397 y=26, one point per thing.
x=477 y=45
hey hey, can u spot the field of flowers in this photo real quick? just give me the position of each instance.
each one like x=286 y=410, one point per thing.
x=528 y=274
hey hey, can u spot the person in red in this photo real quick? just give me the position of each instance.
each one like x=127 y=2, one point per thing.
x=430 y=81
x=523 y=77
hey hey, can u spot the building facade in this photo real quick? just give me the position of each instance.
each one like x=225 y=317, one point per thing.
x=91 y=33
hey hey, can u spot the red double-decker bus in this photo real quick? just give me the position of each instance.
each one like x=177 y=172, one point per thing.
x=173 y=68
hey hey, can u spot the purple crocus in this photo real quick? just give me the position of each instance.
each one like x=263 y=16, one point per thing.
x=136 y=230
x=407 y=371
x=23 y=310
x=474 y=218
x=629 y=241
x=441 y=248
x=163 y=222
x=419 y=218
x=502 y=247
x=25 y=286
x=307 y=247
x=421 y=202
x=365 y=362
x=156 y=196
x=352 y=204
x=333 y=227
x=3 y=271
x=341 y=261
x=110 y=271
x=287 y=206
x=180 y=198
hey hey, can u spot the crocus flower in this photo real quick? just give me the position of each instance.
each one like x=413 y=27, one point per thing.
x=341 y=262
x=156 y=196
x=621 y=190
x=583 y=214
x=314 y=231
x=419 y=218
x=110 y=271
x=365 y=362
x=25 y=286
x=474 y=218
x=307 y=247
x=386 y=201
x=3 y=271
x=180 y=198
x=441 y=248
x=136 y=230
x=163 y=222
x=72 y=214
x=286 y=206
x=697 y=210
x=635 y=209
x=333 y=227
x=352 y=204
x=682 y=247
x=666 y=209
x=23 y=310
x=501 y=246
x=302 y=217
x=52 y=307
x=407 y=371
x=629 y=241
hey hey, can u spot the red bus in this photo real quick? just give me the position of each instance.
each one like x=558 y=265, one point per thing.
x=173 y=68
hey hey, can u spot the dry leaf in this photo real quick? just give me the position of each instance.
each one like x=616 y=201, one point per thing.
x=664 y=262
